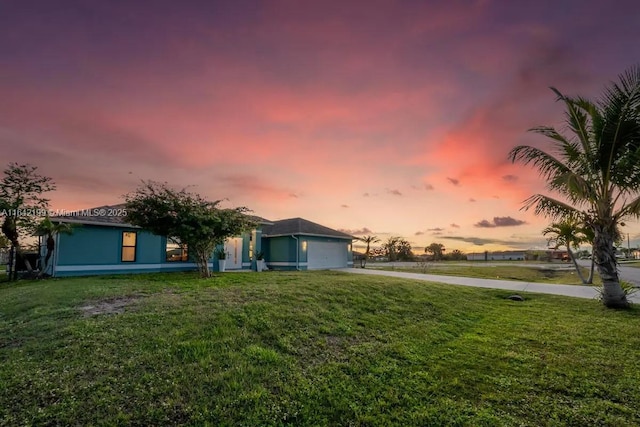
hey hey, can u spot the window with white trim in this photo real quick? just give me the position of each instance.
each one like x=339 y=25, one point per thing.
x=129 y=240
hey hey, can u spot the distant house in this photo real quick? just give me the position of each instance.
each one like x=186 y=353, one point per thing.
x=528 y=255
x=497 y=256
x=104 y=243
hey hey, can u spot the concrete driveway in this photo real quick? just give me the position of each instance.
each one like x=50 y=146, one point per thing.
x=589 y=292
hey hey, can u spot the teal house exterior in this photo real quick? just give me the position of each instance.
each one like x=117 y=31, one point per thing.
x=104 y=243
x=299 y=244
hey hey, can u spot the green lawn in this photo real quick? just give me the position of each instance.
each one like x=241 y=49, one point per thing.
x=551 y=274
x=310 y=349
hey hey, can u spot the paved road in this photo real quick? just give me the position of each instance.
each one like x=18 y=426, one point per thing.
x=589 y=292
x=628 y=274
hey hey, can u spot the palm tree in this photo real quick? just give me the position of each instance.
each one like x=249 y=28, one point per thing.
x=48 y=228
x=568 y=233
x=368 y=240
x=595 y=170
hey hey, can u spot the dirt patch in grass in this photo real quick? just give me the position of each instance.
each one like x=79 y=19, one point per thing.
x=549 y=273
x=109 y=305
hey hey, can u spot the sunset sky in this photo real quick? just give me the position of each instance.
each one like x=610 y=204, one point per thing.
x=374 y=117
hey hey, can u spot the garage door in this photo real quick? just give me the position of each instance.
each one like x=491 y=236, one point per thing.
x=322 y=255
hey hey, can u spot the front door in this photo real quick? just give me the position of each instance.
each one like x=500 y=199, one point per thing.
x=233 y=248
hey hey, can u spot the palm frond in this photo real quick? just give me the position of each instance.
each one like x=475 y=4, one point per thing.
x=550 y=132
x=631 y=209
x=628 y=178
x=550 y=207
x=578 y=189
x=548 y=165
x=578 y=110
x=620 y=131
x=559 y=176
x=569 y=231
x=627 y=90
x=572 y=152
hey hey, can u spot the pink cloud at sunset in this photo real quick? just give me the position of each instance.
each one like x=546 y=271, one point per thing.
x=380 y=116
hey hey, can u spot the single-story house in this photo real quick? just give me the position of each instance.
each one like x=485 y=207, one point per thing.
x=528 y=255
x=299 y=244
x=497 y=256
x=104 y=243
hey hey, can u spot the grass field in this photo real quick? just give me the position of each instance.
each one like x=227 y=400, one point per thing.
x=310 y=349
x=534 y=273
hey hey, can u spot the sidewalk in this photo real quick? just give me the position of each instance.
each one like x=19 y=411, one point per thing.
x=576 y=291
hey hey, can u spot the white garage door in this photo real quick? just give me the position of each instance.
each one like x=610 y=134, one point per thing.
x=326 y=255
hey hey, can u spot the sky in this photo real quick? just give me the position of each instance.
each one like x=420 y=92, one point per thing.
x=386 y=118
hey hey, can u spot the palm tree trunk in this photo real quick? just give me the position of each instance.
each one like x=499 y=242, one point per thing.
x=590 y=279
x=366 y=256
x=575 y=264
x=604 y=255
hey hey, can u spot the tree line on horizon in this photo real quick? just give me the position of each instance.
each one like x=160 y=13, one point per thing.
x=397 y=248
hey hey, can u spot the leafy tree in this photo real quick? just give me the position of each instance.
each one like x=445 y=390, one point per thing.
x=594 y=169
x=368 y=240
x=22 y=204
x=568 y=233
x=4 y=242
x=397 y=249
x=48 y=228
x=389 y=248
x=436 y=250
x=194 y=221
x=457 y=255
x=403 y=250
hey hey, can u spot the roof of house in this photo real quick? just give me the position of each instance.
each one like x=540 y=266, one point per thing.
x=296 y=226
x=113 y=215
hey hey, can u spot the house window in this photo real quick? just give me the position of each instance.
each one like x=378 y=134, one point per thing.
x=304 y=246
x=176 y=251
x=129 y=246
